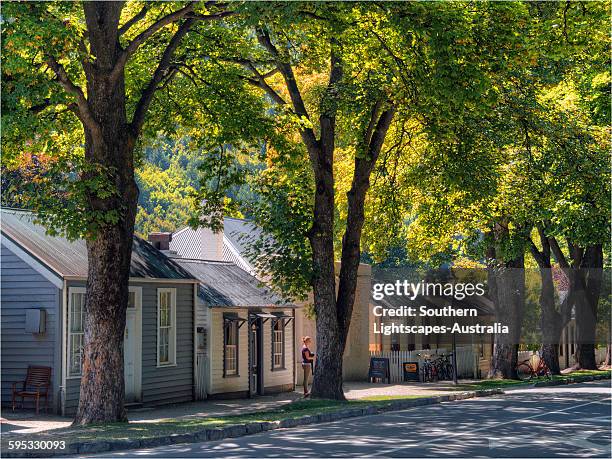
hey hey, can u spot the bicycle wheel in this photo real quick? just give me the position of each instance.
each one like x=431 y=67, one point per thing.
x=546 y=372
x=524 y=372
x=449 y=371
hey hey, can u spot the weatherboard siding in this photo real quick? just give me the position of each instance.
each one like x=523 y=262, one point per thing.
x=173 y=383
x=166 y=384
x=23 y=288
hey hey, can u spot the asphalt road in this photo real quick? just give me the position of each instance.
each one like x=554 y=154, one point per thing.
x=562 y=421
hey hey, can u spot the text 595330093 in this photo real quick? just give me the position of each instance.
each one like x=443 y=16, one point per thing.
x=36 y=444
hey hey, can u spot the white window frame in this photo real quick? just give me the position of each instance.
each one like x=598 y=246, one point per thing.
x=172 y=328
x=70 y=334
x=281 y=365
x=233 y=349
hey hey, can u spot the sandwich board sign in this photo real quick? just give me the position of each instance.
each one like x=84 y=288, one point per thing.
x=411 y=371
x=379 y=369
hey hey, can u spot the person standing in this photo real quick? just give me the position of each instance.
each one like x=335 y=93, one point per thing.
x=307 y=362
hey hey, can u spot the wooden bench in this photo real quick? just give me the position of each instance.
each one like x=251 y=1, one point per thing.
x=36 y=385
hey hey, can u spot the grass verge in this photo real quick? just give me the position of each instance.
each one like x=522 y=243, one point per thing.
x=508 y=383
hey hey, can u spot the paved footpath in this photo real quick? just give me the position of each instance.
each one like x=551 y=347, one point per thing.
x=561 y=421
x=28 y=422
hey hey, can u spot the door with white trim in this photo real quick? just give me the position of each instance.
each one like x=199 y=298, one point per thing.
x=132 y=342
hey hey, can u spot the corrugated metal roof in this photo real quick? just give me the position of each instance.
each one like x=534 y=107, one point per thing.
x=69 y=258
x=225 y=284
x=241 y=232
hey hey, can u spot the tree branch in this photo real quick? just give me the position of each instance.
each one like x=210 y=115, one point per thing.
x=36 y=109
x=356 y=197
x=379 y=134
x=308 y=135
x=210 y=17
x=260 y=82
x=535 y=252
x=576 y=254
x=147 y=94
x=143 y=36
x=81 y=109
x=140 y=15
x=375 y=110
x=558 y=254
x=545 y=244
x=328 y=106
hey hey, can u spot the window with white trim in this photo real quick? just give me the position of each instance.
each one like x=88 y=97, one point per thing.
x=278 y=344
x=166 y=326
x=76 y=330
x=132 y=299
x=230 y=347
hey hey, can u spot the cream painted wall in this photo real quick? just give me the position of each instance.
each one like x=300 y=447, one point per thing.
x=356 y=357
x=218 y=383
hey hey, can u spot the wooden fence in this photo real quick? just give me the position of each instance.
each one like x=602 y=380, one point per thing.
x=467 y=360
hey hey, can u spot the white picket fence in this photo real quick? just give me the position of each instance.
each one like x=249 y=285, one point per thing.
x=467 y=361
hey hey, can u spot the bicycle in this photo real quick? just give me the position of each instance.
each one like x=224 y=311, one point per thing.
x=526 y=371
x=444 y=367
x=428 y=369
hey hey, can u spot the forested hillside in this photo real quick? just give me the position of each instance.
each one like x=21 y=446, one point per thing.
x=167 y=178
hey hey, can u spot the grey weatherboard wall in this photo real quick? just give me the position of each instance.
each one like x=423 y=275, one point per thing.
x=171 y=384
x=23 y=288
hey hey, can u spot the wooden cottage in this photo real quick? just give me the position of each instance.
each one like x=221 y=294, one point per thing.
x=43 y=296
x=245 y=333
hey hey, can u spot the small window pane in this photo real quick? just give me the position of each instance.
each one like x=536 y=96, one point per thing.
x=231 y=348
x=76 y=313
x=166 y=331
x=76 y=336
x=163 y=345
x=132 y=300
x=277 y=344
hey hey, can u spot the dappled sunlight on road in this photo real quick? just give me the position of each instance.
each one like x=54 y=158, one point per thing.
x=526 y=424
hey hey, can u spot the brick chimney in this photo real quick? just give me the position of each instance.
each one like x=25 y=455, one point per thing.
x=160 y=241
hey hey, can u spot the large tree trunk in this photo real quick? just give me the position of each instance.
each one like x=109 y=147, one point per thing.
x=334 y=324
x=506 y=280
x=551 y=323
x=110 y=188
x=509 y=299
x=588 y=289
x=327 y=381
x=551 y=320
x=586 y=322
x=109 y=152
